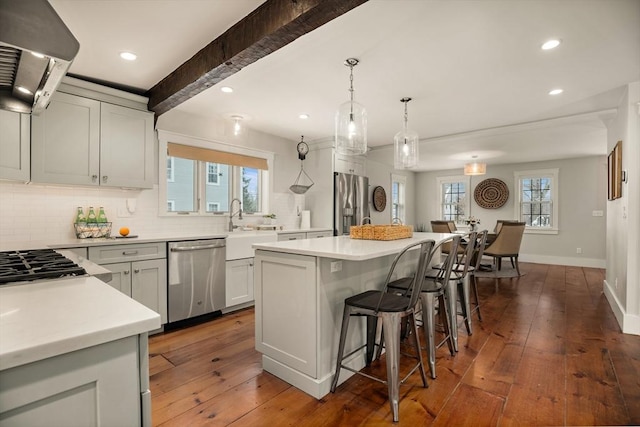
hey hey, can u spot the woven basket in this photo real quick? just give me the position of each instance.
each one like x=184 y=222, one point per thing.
x=381 y=232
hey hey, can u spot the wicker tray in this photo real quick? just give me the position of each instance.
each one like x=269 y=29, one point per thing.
x=90 y=230
x=381 y=232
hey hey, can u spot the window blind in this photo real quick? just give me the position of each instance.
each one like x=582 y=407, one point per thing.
x=215 y=156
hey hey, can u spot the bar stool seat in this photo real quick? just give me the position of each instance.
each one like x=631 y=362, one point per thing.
x=392 y=309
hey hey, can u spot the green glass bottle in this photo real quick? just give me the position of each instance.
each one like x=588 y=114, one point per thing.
x=102 y=217
x=80 y=218
x=91 y=218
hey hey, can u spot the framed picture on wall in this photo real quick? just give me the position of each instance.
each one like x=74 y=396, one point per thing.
x=614 y=169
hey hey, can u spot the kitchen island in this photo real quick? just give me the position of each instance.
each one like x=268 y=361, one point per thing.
x=300 y=288
x=73 y=351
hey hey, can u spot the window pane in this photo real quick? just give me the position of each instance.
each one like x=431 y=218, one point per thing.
x=251 y=199
x=181 y=191
x=217 y=188
x=454 y=197
x=536 y=195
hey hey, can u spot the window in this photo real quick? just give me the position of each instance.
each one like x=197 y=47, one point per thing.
x=398 y=197
x=454 y=200
x=213 y=176
x=170 y=169
x=537 y=200
x=204 y=176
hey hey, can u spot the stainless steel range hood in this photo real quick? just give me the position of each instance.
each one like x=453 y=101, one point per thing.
x=36 y=50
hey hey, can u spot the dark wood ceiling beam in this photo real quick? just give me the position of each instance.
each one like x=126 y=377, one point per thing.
x=271 y=26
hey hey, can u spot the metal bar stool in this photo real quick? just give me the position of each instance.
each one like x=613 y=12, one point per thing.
x=391 y=308
x=434 y=286
x=481 y=242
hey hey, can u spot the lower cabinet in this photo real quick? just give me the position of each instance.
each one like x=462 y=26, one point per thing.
x=144 y=280
x=239 y=281
x=304 y=235
x=96 y=386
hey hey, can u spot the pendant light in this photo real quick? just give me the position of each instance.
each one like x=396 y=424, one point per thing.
x=237 y=125
x=351 y=122
x=475 y=168
x=405 y=144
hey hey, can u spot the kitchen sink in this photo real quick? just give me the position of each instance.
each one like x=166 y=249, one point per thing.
x=239 y=242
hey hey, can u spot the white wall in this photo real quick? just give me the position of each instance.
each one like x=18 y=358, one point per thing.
x=622 y=284
x=45 y=213
x=582 y=190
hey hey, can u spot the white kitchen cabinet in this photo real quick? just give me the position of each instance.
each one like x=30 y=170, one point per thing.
x=318 y=234
x=304 y=235
x=239 y=281
x=138 y=270
x=83 y=141
x=355 y=165
x=15 y=140
x=291 y=236
x=99 y=385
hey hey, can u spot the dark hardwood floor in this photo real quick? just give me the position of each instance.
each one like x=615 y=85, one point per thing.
x=548 y=352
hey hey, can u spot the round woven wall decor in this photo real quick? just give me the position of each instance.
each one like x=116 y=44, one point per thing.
x=491 y=193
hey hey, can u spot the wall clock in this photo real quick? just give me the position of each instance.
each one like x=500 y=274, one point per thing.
x=379 y=199
x=491 y=193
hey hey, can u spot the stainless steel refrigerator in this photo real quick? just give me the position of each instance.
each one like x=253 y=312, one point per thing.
x=350 y=201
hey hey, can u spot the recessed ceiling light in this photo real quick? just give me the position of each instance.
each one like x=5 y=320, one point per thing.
x=304 y=116
x=129 y=56
x=226 y=89
x=24 y=90
x=550 y=44
x=555 y=92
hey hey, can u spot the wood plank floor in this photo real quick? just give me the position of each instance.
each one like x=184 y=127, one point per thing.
x=548 y=352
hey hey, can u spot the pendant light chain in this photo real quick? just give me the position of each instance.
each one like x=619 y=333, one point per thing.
x=351 y=64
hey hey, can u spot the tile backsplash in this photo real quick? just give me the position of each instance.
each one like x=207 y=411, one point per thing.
x=36 y=212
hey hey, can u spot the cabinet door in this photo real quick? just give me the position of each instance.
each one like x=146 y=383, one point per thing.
x=239 y=281
x=317 y=234
x=15 y=143
x=120 y=277
x=65 y=143
x=149 y=285
x=354 y=165
x=126 y=147
x=291 y=236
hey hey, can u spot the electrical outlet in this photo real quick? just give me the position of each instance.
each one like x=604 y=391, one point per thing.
x=578 y=250
x=336 y=266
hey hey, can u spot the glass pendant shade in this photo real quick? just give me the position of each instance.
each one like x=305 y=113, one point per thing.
x=475 y=168
x=351 y=129
x=405 y=145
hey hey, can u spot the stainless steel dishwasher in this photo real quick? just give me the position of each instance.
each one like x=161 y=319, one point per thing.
x=196 y=278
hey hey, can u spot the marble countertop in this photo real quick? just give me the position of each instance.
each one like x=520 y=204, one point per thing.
x=343 y=247
x=44 y=319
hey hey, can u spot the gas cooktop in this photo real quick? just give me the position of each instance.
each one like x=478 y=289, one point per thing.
x=19 y=266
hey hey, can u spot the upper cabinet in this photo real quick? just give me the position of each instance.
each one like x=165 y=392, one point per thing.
x=14 y=146
x=84 y=141
x=355 y=165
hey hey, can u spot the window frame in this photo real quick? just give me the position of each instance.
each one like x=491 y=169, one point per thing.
x=552 y=174
x=266 y=178
x=402 y=198
x=452 y=179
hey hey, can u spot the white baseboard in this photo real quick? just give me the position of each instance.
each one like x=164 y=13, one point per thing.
x=555 y=260
x=629 y=323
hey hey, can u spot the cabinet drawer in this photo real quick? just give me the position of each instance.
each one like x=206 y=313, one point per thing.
x=135 y=252
x=316 y=234
x=291 y=236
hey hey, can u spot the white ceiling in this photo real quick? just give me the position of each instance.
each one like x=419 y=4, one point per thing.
x=475 y=70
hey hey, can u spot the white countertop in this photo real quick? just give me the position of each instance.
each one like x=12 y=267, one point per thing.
x=142 y=238
x=44 y=319
x=343 y=247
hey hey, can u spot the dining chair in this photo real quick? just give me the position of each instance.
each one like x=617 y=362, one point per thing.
x=445 y=227
x=435 y=286
x=391 y=308
x=507 y=244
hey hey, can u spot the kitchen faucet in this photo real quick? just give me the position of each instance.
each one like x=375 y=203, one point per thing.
x=239 y=212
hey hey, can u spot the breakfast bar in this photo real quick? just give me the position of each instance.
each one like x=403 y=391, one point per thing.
x=300 y=288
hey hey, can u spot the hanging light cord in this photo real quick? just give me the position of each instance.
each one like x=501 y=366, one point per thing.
x=351 y=89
